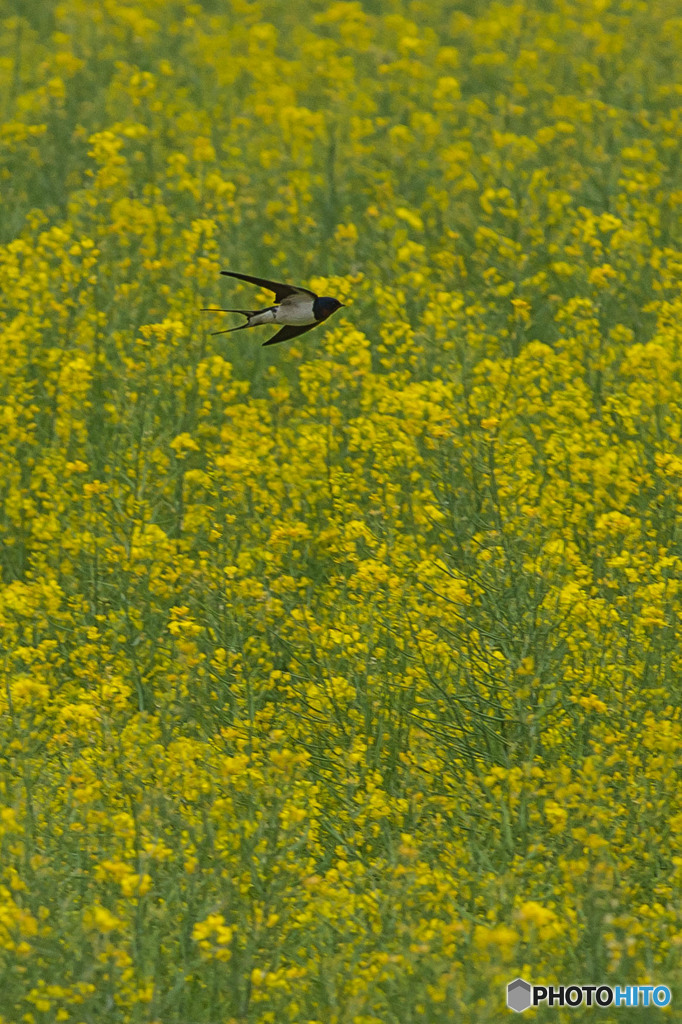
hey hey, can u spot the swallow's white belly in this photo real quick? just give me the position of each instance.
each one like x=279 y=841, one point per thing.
x=297 y=314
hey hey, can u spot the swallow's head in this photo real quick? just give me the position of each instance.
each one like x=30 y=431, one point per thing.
x=324 y=306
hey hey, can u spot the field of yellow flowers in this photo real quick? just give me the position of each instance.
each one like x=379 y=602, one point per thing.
x=340 y=683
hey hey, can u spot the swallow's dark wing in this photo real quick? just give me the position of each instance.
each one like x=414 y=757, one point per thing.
x=290 y=331
x=281 y=290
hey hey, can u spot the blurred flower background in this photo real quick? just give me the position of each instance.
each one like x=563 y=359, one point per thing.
x=340 y=683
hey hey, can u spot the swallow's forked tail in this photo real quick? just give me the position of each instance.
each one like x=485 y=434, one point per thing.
x=248 y=313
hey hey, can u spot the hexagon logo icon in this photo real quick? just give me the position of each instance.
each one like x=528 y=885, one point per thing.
x=518 y=995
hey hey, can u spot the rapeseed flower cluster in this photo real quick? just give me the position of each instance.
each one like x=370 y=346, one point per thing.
x=340 y=683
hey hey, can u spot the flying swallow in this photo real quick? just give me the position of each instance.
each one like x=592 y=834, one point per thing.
x=298 y=309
